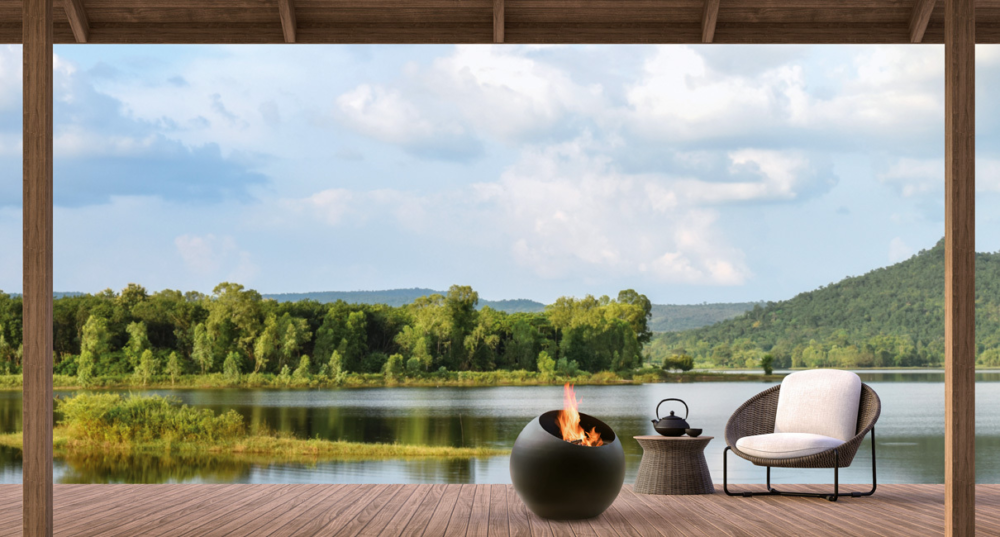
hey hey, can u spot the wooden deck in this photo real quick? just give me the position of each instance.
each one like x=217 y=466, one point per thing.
x=480 y=510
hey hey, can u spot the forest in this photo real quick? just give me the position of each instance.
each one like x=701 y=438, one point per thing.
x=235 y=331
x=889 y=317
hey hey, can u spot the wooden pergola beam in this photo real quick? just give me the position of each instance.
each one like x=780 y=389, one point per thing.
x=77 y=19
x=960 y=267
x=286 y=10
x=922 y=11
x=498 y=24
x=708 y=20
x=37 y=259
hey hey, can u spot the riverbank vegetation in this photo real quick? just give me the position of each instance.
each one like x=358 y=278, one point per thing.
x=246 y=340
x=376 y=380
x=112 y=423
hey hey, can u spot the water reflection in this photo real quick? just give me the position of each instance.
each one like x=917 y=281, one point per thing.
x=910 y=431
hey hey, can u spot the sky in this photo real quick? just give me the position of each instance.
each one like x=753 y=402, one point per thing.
x=689 y=173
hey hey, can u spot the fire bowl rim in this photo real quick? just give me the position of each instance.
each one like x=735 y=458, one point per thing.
x=547 y=421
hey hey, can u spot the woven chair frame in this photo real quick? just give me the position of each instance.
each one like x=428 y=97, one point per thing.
x=757 y=415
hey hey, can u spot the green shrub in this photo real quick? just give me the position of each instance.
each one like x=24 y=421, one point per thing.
x=682 y=362
x=766 y=362
x=112 y=418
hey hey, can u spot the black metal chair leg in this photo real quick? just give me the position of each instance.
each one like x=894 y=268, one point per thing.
x=775 y=492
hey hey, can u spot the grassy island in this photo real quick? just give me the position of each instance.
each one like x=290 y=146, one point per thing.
x=91 y=424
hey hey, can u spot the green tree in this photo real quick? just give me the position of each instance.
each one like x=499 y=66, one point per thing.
x=174 y=367
x=266 y=345
x=231 y=366
x=460 y=306
x=336 y=365
x=235 y=318
x=147 y=368
x=354 y=345
x=93 y=344
x=304 y=371
x=638 y=316
x=138 y=343
x=394 y=367
x=546 y=365
x=202 y=353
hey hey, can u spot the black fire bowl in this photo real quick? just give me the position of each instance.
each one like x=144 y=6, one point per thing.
x=561 y=480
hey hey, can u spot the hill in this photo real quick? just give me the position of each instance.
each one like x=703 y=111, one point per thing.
x=402 y=297
x=665 y=317
x=889 y=317
x=678 y=317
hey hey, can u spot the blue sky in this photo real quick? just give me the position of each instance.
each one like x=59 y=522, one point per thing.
x=713 y=173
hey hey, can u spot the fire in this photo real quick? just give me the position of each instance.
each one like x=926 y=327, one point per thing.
x=569 y=422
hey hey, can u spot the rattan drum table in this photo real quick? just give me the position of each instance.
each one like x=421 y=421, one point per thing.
x=673 y=465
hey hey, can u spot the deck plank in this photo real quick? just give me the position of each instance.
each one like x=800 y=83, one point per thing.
x=459 y=521
x=478 y=518
x=418 y=522
x=479 y=511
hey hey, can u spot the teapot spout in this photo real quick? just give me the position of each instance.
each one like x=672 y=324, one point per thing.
x=654 y=422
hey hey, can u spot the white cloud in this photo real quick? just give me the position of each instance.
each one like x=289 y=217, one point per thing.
x=208 y=255
x=505 y=93
x=899 y=250
x=988 y=174
x=915 y=177
x=566 y=210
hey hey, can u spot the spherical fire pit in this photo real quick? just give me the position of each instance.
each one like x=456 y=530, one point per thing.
x=558 y=479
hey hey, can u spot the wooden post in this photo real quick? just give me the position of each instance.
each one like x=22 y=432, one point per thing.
x=960 y=267
x=37 y=292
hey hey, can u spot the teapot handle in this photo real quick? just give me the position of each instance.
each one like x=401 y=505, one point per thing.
x=686 y=411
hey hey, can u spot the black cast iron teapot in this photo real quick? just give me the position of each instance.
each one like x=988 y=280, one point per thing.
x=671 y=425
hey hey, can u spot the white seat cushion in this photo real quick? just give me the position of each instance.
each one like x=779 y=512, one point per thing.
x=786 y=445
x=819 y=402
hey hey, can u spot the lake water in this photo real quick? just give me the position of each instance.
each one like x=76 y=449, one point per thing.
x=910 y=432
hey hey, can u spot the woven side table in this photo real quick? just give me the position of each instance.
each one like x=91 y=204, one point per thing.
x=673 y=465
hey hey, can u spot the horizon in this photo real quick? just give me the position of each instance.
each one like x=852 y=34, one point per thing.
x=694 y=175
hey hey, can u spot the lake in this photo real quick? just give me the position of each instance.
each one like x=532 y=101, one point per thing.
x=910 y=432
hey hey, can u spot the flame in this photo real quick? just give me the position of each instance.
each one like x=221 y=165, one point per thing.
x=569 y=422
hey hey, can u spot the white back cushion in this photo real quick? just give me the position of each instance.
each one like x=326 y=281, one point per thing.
x=819 y=401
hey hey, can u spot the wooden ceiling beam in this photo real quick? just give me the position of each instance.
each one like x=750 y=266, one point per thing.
x=77 y=19
x=286 y=10
x=918 y=21
x=708 y=20
x=498 y=12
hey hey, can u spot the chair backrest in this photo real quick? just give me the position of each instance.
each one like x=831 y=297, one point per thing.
x=819 y=401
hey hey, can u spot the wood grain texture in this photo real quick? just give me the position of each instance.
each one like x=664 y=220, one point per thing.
x=479 y=510
x=922 y=11
x=37 y=245
x=286 y=11
x=523 y=21
x=498 y=12
x=77 y=19
x=960 y=267
x=708 y=20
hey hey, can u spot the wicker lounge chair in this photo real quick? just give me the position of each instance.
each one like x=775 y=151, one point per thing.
x=755 y=422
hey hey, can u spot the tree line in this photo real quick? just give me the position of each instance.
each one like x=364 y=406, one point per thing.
x=234 y=331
